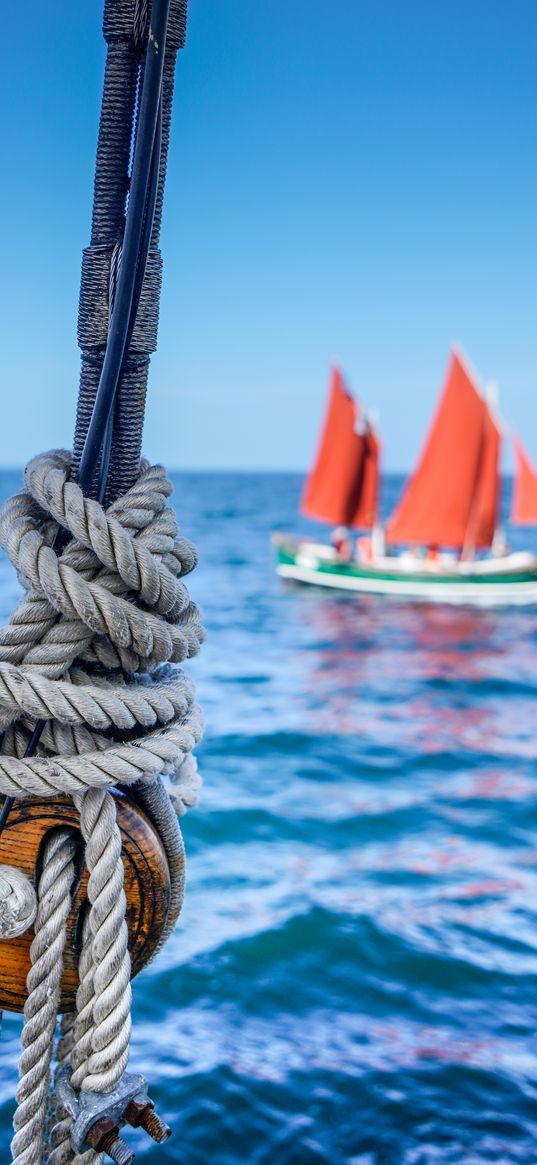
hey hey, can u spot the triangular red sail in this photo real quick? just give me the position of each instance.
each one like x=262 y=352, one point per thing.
x=436 y=505
x=484 y=517
x=333 y=489
x=524 y=500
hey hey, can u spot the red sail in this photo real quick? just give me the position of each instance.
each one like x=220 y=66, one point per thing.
x=484 y=519
x=365 y=514
x=524 y=501
x=436 y=506
x=333 y=490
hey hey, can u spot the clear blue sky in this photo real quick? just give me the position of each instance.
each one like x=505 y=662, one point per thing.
x=350 y=180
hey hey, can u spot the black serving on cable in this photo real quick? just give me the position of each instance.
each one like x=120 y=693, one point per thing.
x=145 y=241
x=138 y=226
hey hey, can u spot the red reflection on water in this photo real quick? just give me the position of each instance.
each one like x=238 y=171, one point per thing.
x=489 y=886
x=400 y=673
x=495 y=785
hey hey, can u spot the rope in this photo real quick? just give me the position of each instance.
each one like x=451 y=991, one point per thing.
x=18 y=902
x=116 y=568
x=60 y=1148
x=54 y=894
x=116 y=595
x=101 y=1046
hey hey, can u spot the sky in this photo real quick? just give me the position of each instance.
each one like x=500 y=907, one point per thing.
x=350 y=181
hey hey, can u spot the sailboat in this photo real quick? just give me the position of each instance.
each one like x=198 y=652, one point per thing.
x=442 y=542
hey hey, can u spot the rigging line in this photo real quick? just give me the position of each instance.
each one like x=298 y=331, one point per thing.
x=145 y=243
x=136 y=242
x=134 y=233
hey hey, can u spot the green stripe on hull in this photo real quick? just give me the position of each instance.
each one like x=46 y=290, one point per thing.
x=354 y=570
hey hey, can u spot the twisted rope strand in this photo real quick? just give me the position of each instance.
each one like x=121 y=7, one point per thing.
x=34 y=634
x=46 y=954
x=102 y=1068
x=101 y=585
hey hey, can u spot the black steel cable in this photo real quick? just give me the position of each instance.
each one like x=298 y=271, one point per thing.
x=120 y=323
x=145 y=242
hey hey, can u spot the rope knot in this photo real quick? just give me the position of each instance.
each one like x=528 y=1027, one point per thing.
x=109 y=610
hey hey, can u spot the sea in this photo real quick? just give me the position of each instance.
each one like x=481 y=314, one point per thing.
x=353 y=980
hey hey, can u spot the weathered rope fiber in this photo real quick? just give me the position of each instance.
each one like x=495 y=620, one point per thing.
x=41 y=1008
x=18 y=902
x=60 y=1150
x=89 y=650
x=119 y=590
x=101 y=1048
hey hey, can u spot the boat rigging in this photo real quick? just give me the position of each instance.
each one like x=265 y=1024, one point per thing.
x=446 y=520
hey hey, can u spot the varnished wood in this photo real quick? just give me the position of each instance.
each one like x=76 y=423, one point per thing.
x=147 y=887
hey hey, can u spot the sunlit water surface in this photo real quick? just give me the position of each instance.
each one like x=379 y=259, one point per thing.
x=354 y=974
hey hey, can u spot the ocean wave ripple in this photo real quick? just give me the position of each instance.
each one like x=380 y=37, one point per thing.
x=353 y=978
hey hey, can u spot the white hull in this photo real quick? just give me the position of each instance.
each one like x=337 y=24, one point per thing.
x=507 y=581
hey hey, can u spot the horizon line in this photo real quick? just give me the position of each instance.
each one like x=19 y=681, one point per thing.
x=18 y=467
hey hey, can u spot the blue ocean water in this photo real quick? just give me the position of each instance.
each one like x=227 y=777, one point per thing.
x=353 y=977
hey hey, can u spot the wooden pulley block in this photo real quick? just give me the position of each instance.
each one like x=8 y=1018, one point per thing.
x=147 y=889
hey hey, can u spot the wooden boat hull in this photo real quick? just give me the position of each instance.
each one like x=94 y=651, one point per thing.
x=511 y=580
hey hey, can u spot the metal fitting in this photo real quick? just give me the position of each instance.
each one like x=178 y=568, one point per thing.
x=102 y=1109
x=143 y=1116
x=98 y=1116
x=104 y=1138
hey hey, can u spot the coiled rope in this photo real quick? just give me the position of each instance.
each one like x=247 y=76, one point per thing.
x=118 y=587
x=123 y=606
